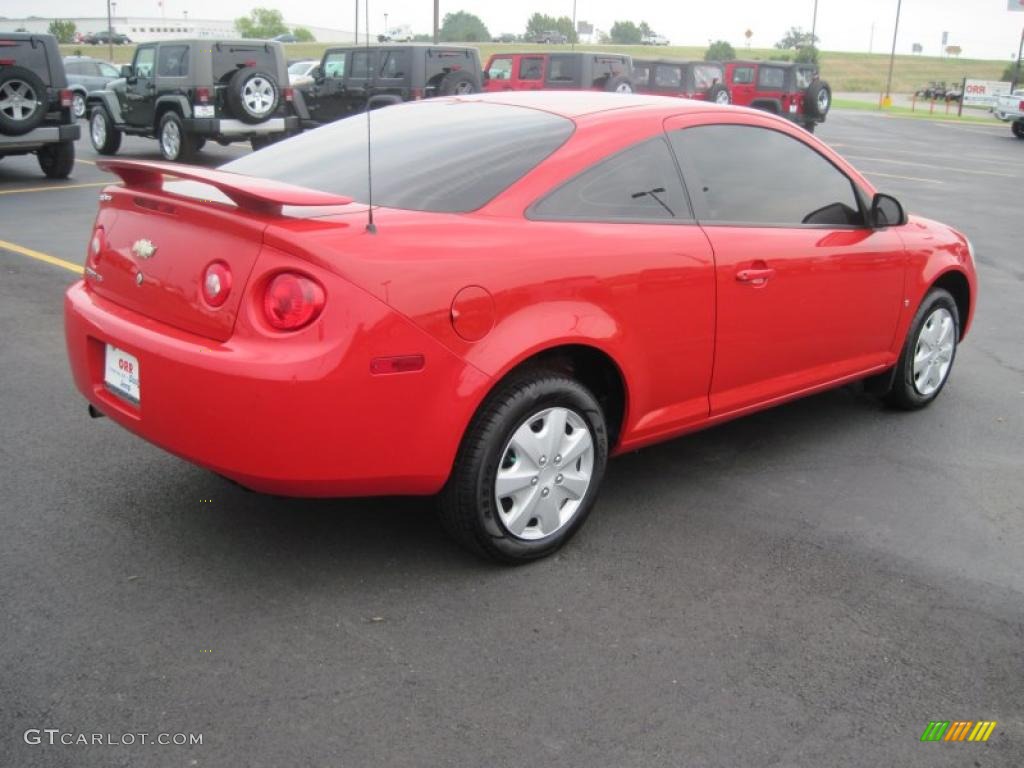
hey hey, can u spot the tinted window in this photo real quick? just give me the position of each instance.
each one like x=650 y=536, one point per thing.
x=706 y=75
x=334 y=64
x=745 y=175
x=173 y=61
x=531 y=68
x=501 y=69
x=641 y=73
x=562 y=69
x=144 y=59
x=428 y=156
x=360 y=64
x=771 y=77
x=666 y=76
x=394 y=64
x=605 y=68
x=638 y=184
x=743 y=75
x=803 y=78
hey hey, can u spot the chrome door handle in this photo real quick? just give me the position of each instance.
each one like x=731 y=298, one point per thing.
x=755 y=276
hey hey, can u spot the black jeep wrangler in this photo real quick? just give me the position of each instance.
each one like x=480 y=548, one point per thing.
x=184 y=92
x=350 y=79
x=35 y=103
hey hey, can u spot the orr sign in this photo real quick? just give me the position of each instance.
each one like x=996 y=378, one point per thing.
x=983 y=93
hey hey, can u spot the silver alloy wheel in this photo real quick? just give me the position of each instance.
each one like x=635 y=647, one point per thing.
x=170 y=140
x=624 y=88
x=463 y=88
x=98 y=129
x=18 y=100
x=933 y=354
x=544 y=473
x=823 y=101
x=722 y=97
x=78 y=106
x=258 y=96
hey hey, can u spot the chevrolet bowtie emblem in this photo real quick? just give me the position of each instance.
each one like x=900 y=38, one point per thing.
x=144 y=249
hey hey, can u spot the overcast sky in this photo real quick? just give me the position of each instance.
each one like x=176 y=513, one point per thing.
x=983 y=28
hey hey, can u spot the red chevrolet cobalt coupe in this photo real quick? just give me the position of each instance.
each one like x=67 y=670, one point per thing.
x=550 y=279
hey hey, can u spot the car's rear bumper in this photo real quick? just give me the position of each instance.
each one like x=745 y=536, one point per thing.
x=45 y=134
x=237 y=129
x=298 y=415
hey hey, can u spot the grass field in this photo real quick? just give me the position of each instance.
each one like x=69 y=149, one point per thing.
x=862 y=72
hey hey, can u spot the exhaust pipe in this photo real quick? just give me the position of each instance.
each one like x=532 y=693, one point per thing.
x=95 y=413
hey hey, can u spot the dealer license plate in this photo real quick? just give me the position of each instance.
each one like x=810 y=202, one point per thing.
x=121 y=374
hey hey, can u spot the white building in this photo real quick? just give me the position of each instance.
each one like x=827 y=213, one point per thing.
x=142 y=29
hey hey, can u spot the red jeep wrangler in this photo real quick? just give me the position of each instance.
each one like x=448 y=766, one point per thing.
x=701 y=80
x=792 y=90
x=568 y=71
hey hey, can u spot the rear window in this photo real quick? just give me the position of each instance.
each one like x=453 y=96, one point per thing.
x=441 y=156
x=706 y=75
x=30 y=54
x=444 y=61
x=668 y=76
x=228 y=57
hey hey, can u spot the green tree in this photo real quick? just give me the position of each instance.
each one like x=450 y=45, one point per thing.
x=807 y=55
x=1010 y=73
x=540 y=23
x=720 y=50
x=261 y=23
x=463 y=27
x=796 y=38
x=64 y=31
x=645 y=29
x=303 y=35
x=626 y=33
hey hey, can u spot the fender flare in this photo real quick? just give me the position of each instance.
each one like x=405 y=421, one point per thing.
x=108 y=101
x=170 y=101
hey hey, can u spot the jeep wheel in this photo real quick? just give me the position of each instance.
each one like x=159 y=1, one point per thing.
x=105 y=138
x=176 y=144
x=22 y=100
x=719 y=94
x=457 y=84
x=57 y=160
x=1018 y=128
x=619 y=84
x=78 y=105
x=252 y=95
x=818 y=99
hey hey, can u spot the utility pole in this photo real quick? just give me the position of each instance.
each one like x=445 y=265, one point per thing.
x=385 y=24
x=871 y=42
x=814 y=26
x=437 y=21
x=110 y=32
x=1016 y=76
x=887 y=101
x=573 y=38
x=357 y=24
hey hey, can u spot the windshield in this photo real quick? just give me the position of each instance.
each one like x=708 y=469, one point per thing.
x=438 y=155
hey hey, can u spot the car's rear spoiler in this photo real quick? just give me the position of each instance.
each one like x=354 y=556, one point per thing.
x=250 y=193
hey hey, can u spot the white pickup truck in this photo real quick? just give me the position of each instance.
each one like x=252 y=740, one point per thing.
x=1011 y=109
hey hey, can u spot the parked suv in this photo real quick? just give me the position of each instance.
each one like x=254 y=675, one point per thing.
x=183 y=92
x=551 y=36
x=35 y=103
x=87 y=74
x=351 y=78
x=573 y=71
x=105 y=37
x=701 y=80
x=793 y=91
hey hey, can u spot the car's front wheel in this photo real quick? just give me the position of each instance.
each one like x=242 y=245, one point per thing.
x=105 y=138
x=928 y=353
x=529 y=468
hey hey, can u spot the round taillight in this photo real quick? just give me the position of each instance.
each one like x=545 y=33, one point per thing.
x=216 y=283
x=97 y=243
x=292 y=301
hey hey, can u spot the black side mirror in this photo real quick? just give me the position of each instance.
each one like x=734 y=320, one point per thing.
x=886 y=211
x=487 y=75
x=126 y=71
x=317 y=73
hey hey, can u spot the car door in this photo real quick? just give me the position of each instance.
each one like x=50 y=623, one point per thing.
x=741 y=83
x=140 y=90
x=358 y=80
x=326 y=97
x=499 y=74
x=807 y=293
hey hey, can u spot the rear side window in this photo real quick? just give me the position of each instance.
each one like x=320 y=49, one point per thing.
x=435 y=155
x=172 y=61
x=531 y=68
x=771 y=78
x=743 y=75
x=562 y=69
x=740 y=174
x=639 y=184
x=641 y=73
x=804 y=77
x=360 y=64
x=666 y=76
x=395 y=64
x=706 y=75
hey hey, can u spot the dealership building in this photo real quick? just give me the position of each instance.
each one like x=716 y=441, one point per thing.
x=142 y=29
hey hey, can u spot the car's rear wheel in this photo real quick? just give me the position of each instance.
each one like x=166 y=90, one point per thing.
x=57 y=160
x=529 y=468
x=176 y=144
x=252 y=95
x=619 y=84
x=22 y=100
x=78 y=105
x=457 y=84
x=928 y=353
x=105 y=138
x=809 y=126
x=1018 y=128
x=719 y=94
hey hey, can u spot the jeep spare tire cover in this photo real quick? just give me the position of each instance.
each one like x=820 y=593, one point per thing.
x=457 y=83
x=619 y=84
x=253 y=95
x=818 y=99
x=23 y=100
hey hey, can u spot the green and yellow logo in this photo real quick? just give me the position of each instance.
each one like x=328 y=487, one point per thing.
x=958 y=730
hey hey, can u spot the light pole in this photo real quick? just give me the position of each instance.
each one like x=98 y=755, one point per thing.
x=110 y=32
x=385 y=25
x=573 y=38
x=887 y=101
x=437 y=20
x=357 y=23
x=814 y=25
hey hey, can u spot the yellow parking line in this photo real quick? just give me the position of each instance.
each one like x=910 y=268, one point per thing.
x=54 y=188
x=87 y=162
x=38 y=256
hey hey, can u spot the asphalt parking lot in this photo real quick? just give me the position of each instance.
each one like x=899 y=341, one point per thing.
x=809 y=586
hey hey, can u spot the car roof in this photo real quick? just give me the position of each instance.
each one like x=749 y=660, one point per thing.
x=665 y=60
x=770 y=63
x=576 y=104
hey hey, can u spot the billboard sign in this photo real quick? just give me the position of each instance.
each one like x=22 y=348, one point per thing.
x=983 y=93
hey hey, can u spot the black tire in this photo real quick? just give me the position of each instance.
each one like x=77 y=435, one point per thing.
x=619 y=84
x=57 y=160
x=719 y=94
x=198 y=142
x=818 y=99
x=906 y=392
x=468 y=508
x=111 y=136
x=1018 y=128
x=809 y=126
x=457 y=84
x=31 y=95
x=180 y=151
x=259 y=142
x=242 y=85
